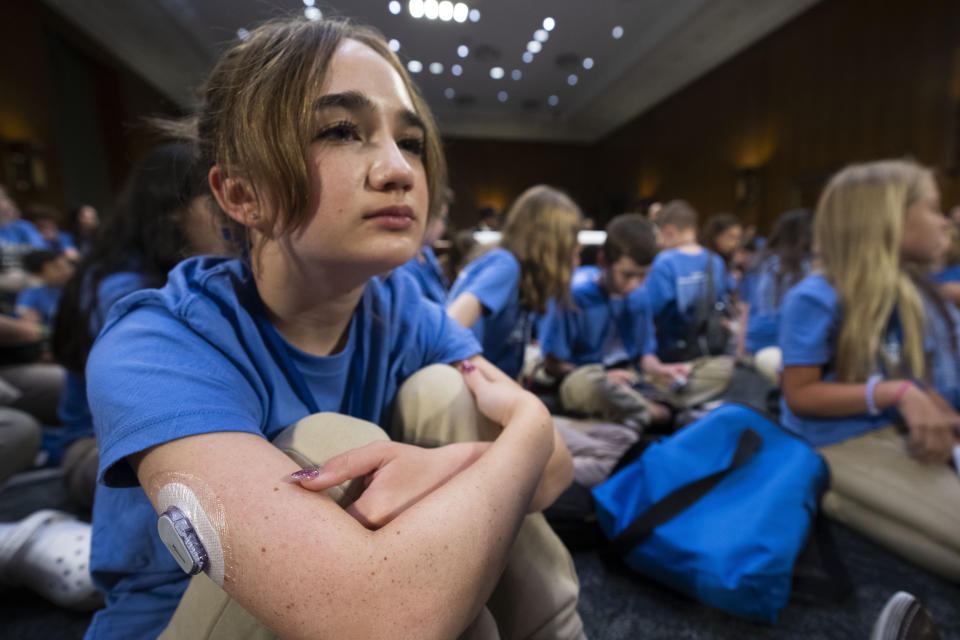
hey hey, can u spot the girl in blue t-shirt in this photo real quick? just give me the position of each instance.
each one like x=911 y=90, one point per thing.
x=784 y=262
x=498 y=294
x=164 y=213
x=853 y=341
x=326 y=162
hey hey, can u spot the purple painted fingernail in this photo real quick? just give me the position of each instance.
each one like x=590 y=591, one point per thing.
x=305 y=474
x=467 y=366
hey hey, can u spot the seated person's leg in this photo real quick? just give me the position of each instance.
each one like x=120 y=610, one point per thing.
x=19 y=441
x=588 y=391
x=875 y=481
x=537 y=594
x=40 y=385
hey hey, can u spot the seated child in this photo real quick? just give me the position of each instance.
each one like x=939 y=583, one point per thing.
x=678 y=281
x=784 y=262
x=598 y=344
x=499 y=294
x=217 y=398
x=857 y=364
x=39 y=304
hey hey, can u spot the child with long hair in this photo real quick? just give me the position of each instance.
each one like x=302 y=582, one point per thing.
x=245 y=398
x=856 y=362
x=164 y=213
x=784 y=261
x=498 y=294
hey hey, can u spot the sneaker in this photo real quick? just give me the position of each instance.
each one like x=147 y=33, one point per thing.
x=904 y=618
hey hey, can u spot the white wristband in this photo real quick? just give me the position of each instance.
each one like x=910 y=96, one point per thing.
x=868 y=394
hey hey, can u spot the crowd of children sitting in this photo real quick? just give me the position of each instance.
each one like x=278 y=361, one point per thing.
x=330 y=333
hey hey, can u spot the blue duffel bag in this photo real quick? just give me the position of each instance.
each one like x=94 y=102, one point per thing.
x=719 y=510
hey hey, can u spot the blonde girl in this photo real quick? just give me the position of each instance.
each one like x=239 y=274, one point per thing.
x=217 y=398
x=857 y=359
x=497 y=294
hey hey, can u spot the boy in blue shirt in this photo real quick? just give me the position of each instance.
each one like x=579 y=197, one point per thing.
x=39 y=304
x=678 y=280
x=598 y=345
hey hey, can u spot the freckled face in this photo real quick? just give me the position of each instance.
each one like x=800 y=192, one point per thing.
x=366 y=167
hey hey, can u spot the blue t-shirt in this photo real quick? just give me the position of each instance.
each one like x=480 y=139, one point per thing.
x=22 y=232
x=942 y=348
x=950 y=274
x=429 y=275
x=73 y=409
x=599 y=328
x=809 y=327
x=676 y=282
x=765 y=299
x=503 y=328
x=43 y=300
x=191 y=358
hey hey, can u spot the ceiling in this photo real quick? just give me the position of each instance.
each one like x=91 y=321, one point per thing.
x=665 y=45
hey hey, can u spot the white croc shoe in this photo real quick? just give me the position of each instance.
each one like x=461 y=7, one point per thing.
x=49 y=552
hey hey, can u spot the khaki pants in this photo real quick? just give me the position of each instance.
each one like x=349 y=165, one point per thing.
x=537 y=594
x=710 y=376
x=587 y=391
x=904 y=505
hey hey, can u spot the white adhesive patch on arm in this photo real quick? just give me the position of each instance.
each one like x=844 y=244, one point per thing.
x=209 y=527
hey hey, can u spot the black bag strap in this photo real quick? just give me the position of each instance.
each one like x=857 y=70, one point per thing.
x=836 y=585
x=704 y=304
x=684 y=497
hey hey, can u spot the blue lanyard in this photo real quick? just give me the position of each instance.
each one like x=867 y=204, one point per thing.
x=282 y=353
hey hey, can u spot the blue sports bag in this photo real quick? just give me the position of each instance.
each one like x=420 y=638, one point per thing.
x=719 y=510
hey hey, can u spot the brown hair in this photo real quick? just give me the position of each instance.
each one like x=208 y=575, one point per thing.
x=678 y=213
x=541 y=233
x=631 y=235
x=256 y=115
x=715 y=225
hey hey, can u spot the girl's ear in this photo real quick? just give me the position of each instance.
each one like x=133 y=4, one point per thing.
x=237 y=199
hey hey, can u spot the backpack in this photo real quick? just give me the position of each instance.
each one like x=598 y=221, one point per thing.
x=707 y=334
x=720 y=510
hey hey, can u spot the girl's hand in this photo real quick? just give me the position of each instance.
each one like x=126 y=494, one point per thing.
x=398 y=476
x=498 y=396
x=668 y=373
x=624 y=377
x=932 y=423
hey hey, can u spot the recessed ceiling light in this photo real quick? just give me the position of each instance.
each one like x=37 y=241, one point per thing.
x=463 y=51
x=516 y=74
x=588 y=63
x=461 y=12
x=436 y=68
x=572 y=79
x=496 y=73
x=456 y=70
x=534 y=47
x=446 y=11
x=449 y=93
x=527 y=57
x=242 y=33
x=415 y=8
x=431 y=9
x=541 y=35
x=553 y=101
x=394 y=7
x=474 y=15
x=617 y=32
x=394 y=45
x=312 y=13
x=549 y=23
x=502 y=96
x=414 y=66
